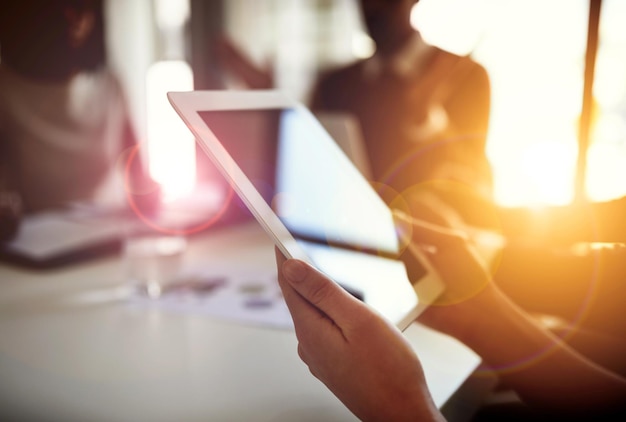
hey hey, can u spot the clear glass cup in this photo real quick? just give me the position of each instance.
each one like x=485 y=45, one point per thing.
x=153 y=262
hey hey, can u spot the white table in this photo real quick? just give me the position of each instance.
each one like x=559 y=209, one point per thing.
x=72 y=349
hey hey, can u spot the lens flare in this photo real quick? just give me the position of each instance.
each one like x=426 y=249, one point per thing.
x=152 y=221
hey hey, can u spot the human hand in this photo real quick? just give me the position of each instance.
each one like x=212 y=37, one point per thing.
x=364 y=360
x=469 y=289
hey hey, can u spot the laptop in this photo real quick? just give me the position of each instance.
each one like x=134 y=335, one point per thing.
x=309 y=197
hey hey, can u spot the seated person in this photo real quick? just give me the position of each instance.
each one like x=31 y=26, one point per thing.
x=424 y=113
x=63 y=116
x=371 y=368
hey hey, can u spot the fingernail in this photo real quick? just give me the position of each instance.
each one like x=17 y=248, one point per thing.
x=294 y=270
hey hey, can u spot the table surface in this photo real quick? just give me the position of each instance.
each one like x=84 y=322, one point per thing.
x=74 y=348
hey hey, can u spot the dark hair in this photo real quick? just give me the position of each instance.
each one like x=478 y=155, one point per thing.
x=35 y=40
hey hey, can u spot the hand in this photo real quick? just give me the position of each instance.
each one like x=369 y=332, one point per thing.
x=468 y=284
x=364 y=360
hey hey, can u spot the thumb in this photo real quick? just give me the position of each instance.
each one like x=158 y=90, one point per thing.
x=320 y=291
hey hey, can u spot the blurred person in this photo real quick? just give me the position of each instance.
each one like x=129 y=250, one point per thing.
x=63 y=116
x=424 y=112
x=367 y=363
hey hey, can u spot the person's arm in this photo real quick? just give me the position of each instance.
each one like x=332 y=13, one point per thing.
x=548 y=375
x=361 y=358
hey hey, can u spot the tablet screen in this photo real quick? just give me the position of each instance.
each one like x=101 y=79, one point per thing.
x=305 y=177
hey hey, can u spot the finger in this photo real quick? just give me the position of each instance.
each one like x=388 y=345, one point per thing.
x=321 y=292
x=303 y=313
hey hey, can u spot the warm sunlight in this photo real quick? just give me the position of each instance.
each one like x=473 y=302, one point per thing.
x=548 y=167
x=605 y=161
x=606 y=158
x=537 y=80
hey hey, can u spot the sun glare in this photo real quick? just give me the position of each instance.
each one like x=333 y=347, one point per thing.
x=605 y=163
x=536 y=78
x=549 y=167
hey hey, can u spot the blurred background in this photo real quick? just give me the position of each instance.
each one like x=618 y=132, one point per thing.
x=534 y=52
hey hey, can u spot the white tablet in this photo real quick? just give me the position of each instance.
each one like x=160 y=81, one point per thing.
x=308 y=196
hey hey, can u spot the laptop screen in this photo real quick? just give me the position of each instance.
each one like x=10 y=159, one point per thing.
x=305 y=177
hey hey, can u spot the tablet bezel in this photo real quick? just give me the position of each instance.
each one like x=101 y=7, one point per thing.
x=189 y=104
